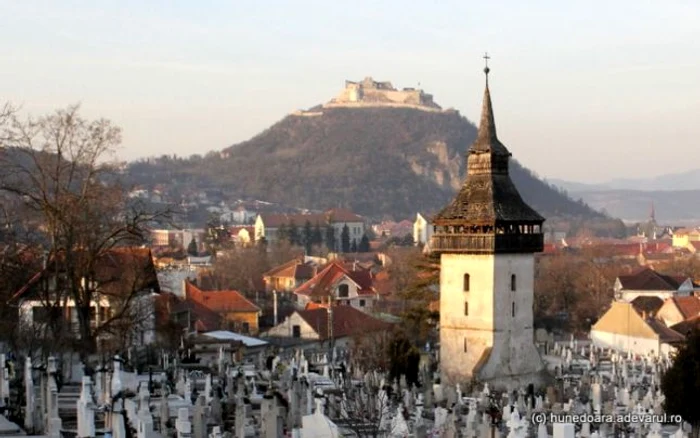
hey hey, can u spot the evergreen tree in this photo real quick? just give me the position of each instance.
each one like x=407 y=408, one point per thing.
x=330 y=238
x=294 y=237
x=316 y=235
x=282 y=233
x=680 y=384
x=353 y=246
x=364 y=244
x=407 y=240
x=345 y=239
x=307 y=237
x=192 y=248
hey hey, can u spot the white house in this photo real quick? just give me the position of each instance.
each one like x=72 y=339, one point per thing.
x=625 y=328
x=422 y=230
x=267 y=225
x=125 y=283
x=649 y=283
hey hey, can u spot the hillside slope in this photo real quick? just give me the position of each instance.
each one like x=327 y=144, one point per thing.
x=379 y=162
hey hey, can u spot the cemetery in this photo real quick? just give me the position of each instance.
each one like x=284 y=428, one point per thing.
x=292 y=393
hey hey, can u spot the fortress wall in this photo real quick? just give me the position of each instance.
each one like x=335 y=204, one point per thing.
x=380 y=105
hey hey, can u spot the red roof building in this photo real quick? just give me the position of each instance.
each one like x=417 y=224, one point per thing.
x=314 y=325
x=236 y=311
x=339 y=283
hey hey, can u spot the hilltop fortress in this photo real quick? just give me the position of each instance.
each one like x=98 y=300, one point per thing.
x=369 y=93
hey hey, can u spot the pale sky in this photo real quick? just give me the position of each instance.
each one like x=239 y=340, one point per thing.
x=584 y=91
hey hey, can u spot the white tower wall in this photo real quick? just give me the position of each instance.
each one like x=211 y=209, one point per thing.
x=498 y=329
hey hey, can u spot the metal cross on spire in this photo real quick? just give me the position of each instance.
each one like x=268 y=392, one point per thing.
x=486 y=68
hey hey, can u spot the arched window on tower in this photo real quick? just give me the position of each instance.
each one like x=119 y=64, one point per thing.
x=466 y=308
x=512 y=309
x=512 y=283
x=466 y=282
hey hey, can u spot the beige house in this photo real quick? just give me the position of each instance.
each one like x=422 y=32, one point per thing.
x=683 y=237
x=678 y=309
x=625 y=328
x=313 y=325
x=290 y=275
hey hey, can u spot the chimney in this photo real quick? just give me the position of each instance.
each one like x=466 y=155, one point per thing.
x=354 y=265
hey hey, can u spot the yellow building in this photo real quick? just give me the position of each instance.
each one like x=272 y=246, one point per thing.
x=683 y=237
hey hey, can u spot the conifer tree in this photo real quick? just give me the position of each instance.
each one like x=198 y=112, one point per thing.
x=330 y=238
x=364 y=244
x=307 y=237
x=345 y=239
x=317 y=236
x=680 y=384
x=294 y=237
x=353 y=246
x=192 y=248
x=282 y=233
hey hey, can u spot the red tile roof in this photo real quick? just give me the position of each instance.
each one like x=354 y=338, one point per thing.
x=665 y=334
x=295 y=268
x=648 y=279
x=688 y=306
x=220 y=301
x=687 y=326
x=347 y=321
x=323 y=283
x=118 y=271
x=203 y=317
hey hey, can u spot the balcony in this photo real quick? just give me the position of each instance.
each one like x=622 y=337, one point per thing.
x=486 y=243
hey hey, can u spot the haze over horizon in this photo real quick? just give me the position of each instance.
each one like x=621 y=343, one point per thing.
x=583 y=92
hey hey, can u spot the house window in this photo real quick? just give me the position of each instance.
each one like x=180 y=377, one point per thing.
x=466 y=308
x=512 y=309
x=512 y=282
x=343 y=291
x=296 y=331
x=246 y=327
x=465 y=345
x=362 y=303
x=466 y=282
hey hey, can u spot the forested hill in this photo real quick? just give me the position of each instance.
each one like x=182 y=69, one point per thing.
x=379 y=162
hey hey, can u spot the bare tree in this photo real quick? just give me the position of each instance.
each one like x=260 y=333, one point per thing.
x=365 y=407
x=61 y=167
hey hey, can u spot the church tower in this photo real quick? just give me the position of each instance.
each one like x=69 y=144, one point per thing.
x=487 y=238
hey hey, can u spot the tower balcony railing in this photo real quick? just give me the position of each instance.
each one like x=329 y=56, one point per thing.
x=487 y=243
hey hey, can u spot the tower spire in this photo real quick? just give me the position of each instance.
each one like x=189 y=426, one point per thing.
x=486 y=138
x=486 y=67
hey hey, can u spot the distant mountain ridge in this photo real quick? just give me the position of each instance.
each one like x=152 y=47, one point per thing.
x=675 y=197
x=688 y=180
x=378 y=162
